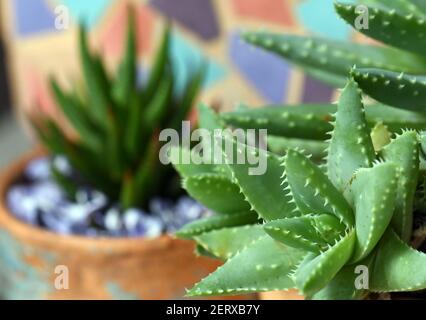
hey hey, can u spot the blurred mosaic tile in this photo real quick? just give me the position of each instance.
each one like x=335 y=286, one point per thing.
x=267 y=73
x=186 y=57
x=196 y=15
x=319 y=17
x=277 y=11
x=316 y=92
x=88 y=12
x=32 y=17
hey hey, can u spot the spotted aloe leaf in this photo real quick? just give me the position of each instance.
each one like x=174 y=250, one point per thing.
x=311 y=189
x=208 y=119
x=350 y=147
x=263 y=266
x=395 y=28
x=302 y=121
x=335 y=57
x=265 y=191
x=227 y=242
x=394 y=88
x=319 y=116
x=216 y=192
x=311 y=233
x=189 y=167
x=343 y=285
x=317 y=270
x=280 y=145
x=417 y=7
x=404 y=152
x=216 y=222
x=373 y=192
x=395 y=119
x=397 y=266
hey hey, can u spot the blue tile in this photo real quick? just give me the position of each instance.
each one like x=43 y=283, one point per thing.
x=267 y=73
x=33 y=17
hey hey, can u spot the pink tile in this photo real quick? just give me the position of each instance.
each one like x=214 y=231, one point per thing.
x=113 y=34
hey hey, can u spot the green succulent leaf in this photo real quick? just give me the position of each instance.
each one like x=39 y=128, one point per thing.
x=404 y=152
x=393 y=27
x=397 y=267
x=200 y=251
x=263 y=266
x=133 y=130
x=159 y=65
x=393 y=88
x=280 y=145
x=342 y=286
x=194 y=165
x=301 y=121
x=215 y=222
x=137 y=185
x=395 y=119
x=332 y=79
x=157 y=108
x=95 y=80
x=208 y=119
x=335 y=57
x=316 y=271
x=227 y=242
x=126 y=75
x=350 y=147
x=318 y=127
x=310 y=233
x=415 y=7
x=216 y=192
x=77 y=115
x=373 y=192
x=312 y=190
x=265 y=191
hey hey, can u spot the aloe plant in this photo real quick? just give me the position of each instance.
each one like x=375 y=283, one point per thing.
x=326 y=207
x=316 y=225
x=115 y=120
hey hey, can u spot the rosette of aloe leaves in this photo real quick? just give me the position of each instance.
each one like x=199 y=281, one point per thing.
x=311 y=226
x=348 y=210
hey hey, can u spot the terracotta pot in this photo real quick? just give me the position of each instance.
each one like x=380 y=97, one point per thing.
x=35 y=263
x=281 y=295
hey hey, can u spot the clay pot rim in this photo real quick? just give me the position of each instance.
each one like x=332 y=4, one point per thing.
x=43 y=236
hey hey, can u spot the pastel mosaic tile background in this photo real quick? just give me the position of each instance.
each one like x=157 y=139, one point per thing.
x=204 y=30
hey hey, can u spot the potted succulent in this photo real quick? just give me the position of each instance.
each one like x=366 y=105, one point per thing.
x=90 y=216
x=349 y=225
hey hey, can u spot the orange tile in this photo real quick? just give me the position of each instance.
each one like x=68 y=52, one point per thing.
x=277 y=11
